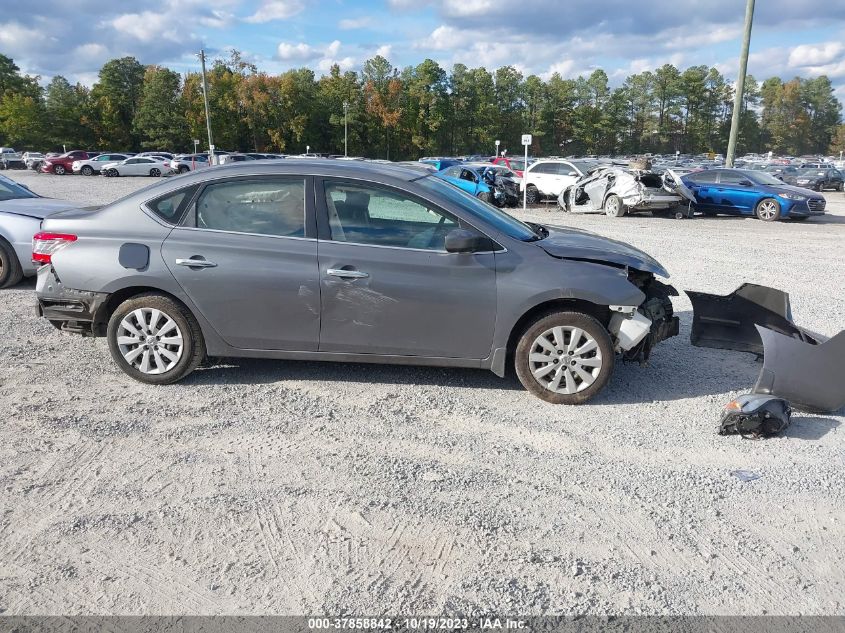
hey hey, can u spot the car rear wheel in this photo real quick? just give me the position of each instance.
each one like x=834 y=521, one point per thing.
x=614 y=207
x=59 y=170
x=533 y=195
x=155 y=173
x=87 y=170
x=183 y=169
x=768 y=210
x=112 y=173
x=10 y=268
x=565 y=358
x=154 y=339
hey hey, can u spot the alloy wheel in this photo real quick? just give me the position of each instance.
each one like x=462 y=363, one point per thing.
x=768 y=209
x=150 y=341
x=565 y=359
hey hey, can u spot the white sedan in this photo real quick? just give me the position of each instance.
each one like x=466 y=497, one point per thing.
x=94 y=165
x=153 y=166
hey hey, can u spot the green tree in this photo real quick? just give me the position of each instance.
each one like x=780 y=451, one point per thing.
x=115 y=99
x=157 y=123
x=64 y=106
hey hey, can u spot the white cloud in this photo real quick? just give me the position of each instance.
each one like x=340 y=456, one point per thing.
x=469 y=8
x=276 y=10
x=816 y=54
x=351 y=24
x=385 y=51
x=146 y=27
x=301 y=52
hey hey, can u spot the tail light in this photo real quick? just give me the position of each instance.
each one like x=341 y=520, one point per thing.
x=45 y=245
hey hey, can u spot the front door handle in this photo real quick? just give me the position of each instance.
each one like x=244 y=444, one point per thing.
x=347 y=274
x=196 y=263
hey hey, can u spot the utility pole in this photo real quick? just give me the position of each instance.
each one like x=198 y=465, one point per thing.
x=740 y=84
x=207 y=114
x=345 y=129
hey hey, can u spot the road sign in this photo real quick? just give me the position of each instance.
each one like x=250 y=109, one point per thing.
x=526 y=139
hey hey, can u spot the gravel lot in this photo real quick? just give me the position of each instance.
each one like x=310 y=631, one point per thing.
x=292 y=487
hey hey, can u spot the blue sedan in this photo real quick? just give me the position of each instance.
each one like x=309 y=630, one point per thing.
x=757 y=193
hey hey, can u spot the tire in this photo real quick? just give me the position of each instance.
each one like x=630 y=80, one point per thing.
x=485 y=196
x=87 y=170
x=135 y=317
x=155 y=172
x=614 y=207
x=841 y=186
x=542 y=340
x=768 y=210
x=10 y=268
x=112 y=173
x=59 y=170
x=533 y=195
x=184 y=169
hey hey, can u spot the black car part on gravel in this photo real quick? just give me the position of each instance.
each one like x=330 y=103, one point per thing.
x=811 y=375
x=803 y=367
x=754 y=416
x=729 y=321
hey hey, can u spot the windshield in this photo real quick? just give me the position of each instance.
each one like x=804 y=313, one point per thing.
x=500 y=220
x=813 y=171
x=10 y=190
x=583 y=166
x=764 y=178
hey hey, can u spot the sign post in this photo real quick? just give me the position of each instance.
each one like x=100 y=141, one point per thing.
x=526 y=141
x=498 y=142
x=194 y=157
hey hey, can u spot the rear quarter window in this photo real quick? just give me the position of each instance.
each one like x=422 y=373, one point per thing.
x=171 y=207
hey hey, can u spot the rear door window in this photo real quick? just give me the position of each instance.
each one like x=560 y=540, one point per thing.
x=265 y=206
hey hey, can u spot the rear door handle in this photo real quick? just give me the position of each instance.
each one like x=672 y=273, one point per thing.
x=196 y=263
x=346 y=274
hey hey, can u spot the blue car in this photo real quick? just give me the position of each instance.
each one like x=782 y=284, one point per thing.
x=486 y=182
x=441 y=163
x=747 y=192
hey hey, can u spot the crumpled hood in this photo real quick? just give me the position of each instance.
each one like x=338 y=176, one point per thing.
x=569 y=243
x=38 y=207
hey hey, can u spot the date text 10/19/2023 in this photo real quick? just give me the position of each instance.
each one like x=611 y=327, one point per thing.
x=414 y=623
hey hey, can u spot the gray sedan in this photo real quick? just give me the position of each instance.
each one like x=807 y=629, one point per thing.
x=347 y=261
x=21 y=212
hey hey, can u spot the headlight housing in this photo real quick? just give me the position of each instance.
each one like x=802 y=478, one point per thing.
x=793 y=196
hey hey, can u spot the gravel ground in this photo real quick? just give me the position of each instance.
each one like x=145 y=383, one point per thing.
x=294 y=487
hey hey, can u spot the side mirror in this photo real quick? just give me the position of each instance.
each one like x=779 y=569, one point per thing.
x=573 y=173
x=463 y=241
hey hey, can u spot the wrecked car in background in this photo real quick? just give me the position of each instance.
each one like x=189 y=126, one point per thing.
x=617 y=191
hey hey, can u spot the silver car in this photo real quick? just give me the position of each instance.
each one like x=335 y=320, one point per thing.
x=21 y=212
x=347 y=261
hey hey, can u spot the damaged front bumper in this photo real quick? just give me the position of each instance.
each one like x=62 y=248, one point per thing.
x=68 y=309
x=637 y=329
x=800 y=366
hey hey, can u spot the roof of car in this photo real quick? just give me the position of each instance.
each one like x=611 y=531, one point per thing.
x=321 y=167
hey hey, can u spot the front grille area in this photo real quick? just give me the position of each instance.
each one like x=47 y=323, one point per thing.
x=816 y=205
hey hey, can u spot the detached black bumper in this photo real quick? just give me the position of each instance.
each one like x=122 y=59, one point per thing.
x=68 y=309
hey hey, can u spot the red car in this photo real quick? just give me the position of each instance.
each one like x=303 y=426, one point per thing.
x=516 y=165
x=61 y=165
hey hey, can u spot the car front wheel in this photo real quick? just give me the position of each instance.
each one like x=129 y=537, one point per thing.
x=565 y=358
x=154 y=339
x=768 y=210
x=59 y=170
x=87 y=170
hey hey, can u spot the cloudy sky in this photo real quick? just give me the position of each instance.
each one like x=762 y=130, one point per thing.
x=791 y=37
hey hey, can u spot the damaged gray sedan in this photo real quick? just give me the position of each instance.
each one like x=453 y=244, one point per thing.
x=617 y=191
x=321 y=260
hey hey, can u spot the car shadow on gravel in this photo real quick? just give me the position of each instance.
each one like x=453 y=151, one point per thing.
x=810 y=428
x=251 y=371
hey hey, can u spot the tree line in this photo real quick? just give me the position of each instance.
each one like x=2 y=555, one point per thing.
x=419 y=110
